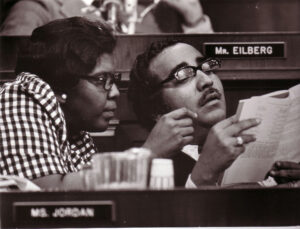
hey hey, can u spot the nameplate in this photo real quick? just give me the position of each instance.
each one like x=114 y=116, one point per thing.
x=64 y=214
x=245 y=49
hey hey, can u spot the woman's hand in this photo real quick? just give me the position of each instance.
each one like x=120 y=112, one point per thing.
x=285 y=172
x=191 y=10
x=172 y=131
x=224 y=143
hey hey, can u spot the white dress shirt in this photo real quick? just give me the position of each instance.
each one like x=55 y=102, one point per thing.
x=191 y=151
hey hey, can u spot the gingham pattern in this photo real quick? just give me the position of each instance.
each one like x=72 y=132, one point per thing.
x=33 y=134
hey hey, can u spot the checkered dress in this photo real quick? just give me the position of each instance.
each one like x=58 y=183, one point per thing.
x=33 y=134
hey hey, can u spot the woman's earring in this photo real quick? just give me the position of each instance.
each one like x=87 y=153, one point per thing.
x=64 y=96
x=61 y=97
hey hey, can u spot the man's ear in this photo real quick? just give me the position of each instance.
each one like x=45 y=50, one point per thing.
x=61 y=97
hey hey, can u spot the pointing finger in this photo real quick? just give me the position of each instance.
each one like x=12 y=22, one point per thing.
x=286 y=165
x=227 y=122
x=240 y=126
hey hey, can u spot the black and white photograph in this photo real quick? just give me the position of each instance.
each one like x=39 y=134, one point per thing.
x=150 y=113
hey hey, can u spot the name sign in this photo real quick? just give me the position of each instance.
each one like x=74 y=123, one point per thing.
x=245 y=49
x=64 y=214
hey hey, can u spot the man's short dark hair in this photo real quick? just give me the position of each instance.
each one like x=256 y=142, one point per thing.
x=142 y=93
x=65 y=49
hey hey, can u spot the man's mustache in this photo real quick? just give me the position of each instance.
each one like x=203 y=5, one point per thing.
x=209 y=94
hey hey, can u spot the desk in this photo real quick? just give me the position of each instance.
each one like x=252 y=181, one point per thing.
x=177 y=208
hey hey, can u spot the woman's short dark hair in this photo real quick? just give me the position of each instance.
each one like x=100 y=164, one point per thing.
x=65 y=49
x=146 y=101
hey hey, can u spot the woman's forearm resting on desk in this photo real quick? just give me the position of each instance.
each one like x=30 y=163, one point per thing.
x=70 y=181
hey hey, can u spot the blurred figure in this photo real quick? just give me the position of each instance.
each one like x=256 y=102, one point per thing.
x=157 y=16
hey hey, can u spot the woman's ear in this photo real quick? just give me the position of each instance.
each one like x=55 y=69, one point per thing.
x=61 y=97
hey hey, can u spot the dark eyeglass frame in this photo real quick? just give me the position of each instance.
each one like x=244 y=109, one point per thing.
x=106 y=79
x=174 y=75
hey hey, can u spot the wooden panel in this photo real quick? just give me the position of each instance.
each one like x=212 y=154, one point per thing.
x=129 y=47
x=233 y=69
x=242 y=78
x=175 y=208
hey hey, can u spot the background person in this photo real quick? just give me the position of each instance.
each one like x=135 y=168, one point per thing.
x=168 y=16
x=175 y=94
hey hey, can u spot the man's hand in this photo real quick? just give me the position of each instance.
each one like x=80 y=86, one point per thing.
x=171 y=132
x=221 y=148
x=191 y=10
x=285 y=171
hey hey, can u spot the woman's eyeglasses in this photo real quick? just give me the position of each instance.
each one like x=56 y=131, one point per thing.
x=105 y=79
x=181 y=74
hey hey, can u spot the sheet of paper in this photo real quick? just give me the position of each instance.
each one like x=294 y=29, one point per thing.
x=278 y=135
x=289 y=144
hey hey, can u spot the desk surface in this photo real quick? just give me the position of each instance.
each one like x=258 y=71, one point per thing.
x=137 y=208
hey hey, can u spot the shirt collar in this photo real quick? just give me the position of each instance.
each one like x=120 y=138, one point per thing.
x=192 y=151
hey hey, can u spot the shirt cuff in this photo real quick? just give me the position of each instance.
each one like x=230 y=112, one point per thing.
x=189 y=183
x=202 y=26
x=269 y=182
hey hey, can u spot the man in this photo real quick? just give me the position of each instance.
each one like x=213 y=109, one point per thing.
x=183 y=15
x=176 y=95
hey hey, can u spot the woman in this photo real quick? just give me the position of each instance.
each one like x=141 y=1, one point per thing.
x=65 y=87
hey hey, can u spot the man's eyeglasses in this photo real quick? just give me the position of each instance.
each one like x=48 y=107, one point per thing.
x=181 y=74
x=105 y=79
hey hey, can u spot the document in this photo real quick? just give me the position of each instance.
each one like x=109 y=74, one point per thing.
x=277 y=137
